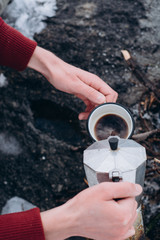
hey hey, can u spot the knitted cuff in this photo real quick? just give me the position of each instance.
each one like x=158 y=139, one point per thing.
x=25 y=225
x=15 y=49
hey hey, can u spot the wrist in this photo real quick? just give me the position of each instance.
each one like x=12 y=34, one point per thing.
x=41 y=61
x=60 y=222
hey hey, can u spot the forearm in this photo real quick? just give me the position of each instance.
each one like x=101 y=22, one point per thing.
x=49 y=65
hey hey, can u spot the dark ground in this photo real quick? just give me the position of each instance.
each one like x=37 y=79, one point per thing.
x=42 y=162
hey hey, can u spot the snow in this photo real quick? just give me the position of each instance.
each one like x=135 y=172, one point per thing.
x=16 y=204
x=28 y=16
x=9 y=144
x=151 y=20
x=3 y=80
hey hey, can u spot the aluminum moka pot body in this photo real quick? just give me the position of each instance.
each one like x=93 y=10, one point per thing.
x=114 y=160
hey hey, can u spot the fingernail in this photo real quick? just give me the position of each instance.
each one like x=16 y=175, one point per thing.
x=131 y=232
x=138 y=189
x=80 y=117
x=101 y=99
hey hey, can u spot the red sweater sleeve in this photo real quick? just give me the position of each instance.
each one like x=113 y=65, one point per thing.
x=15 y=49
x=25 y=225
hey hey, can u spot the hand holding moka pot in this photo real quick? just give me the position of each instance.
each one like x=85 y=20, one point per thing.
x=113 y=156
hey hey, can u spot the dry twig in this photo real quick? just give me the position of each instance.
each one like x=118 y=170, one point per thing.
x=156 y=161
x=85 y=180
x=145 y=135
x=137 y=71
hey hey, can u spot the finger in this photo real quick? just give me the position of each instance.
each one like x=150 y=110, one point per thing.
x=89 y=107
x=134 y=219
x=89 y=92
x=95 y=82
x=128 y=207
x=130 y=233
x=112 y=97
x=83 y=98
x=83 y=115
x=128 y=202
x=115 y=97
x=131 y=222
x=101 y=89
x=131 y=227
x=120 y=190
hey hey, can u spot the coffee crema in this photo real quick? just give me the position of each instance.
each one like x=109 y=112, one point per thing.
x=110 y=125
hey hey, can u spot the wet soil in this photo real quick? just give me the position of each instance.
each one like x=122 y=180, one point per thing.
x=43 y=161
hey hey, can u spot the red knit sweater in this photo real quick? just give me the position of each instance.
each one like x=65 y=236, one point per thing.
x=15 y=49
x=21 y=226
x=15 y=52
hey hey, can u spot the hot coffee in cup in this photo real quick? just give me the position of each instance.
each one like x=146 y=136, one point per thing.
x=110 y=119
x=111 y=125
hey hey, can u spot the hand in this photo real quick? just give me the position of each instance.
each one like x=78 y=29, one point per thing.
x=67 y=78
x=95 y=214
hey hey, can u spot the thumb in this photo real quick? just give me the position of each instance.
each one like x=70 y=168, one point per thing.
x=120 y=190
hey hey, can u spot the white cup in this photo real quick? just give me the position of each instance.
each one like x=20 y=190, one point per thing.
x=110 y=109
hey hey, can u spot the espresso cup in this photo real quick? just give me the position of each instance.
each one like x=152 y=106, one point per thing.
x=110 y=119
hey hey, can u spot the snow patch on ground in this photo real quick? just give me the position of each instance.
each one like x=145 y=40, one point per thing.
x=152 y=8
x=16 y=204
x=28 y=16
x=9 y=145
x=3 y=80
x=151 y=188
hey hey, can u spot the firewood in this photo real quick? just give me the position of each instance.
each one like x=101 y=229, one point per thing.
x=85 y=180
x=145 y=135
x=139 y=74
x=156 y=164
x=157 y=160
